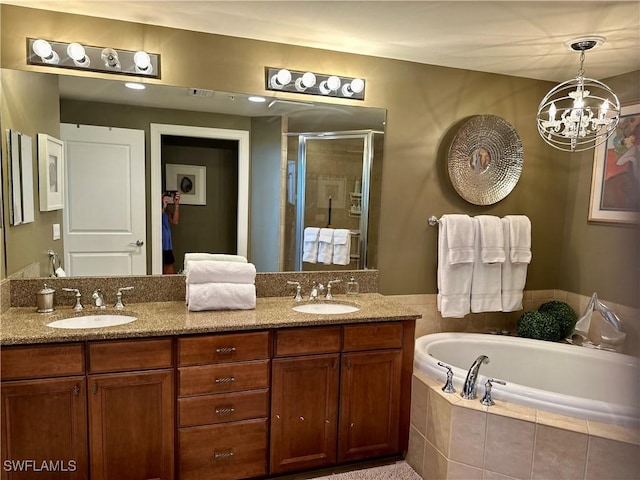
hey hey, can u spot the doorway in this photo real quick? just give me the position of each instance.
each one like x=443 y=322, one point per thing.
x=160 y=134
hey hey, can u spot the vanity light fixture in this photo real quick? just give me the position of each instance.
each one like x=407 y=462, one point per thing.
x=310 y=83
x=77 y=56
x=581 y=113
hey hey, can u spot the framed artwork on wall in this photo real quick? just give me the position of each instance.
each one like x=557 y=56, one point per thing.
x=615 y=182
x=51 y=172
x=189 y=180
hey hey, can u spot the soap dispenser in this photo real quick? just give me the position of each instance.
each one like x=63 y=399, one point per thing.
x=352 y=287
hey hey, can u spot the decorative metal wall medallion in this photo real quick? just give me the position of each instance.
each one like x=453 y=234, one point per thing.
x=485 y=159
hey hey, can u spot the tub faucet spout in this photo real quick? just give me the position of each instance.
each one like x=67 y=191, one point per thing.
x=470 y=383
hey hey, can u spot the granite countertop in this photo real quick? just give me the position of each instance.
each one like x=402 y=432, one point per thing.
x=23 y=325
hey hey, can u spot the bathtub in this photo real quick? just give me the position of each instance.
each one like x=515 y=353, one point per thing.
x=558 y=378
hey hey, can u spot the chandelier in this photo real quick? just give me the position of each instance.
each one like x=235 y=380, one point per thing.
x=581 y=113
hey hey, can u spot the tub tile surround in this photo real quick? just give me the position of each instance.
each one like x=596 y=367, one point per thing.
x=432 y=321
x=512 y=443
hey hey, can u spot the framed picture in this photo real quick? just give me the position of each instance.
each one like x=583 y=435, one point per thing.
x=615 y=183
x=190 y=181
x=51 y=172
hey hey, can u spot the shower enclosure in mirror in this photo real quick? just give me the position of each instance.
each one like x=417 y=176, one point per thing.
x=329 y=185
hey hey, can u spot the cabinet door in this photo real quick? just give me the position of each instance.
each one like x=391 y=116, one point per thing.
x=369 y=404
x=304 y=412
x=44 y=421
x=131 y=425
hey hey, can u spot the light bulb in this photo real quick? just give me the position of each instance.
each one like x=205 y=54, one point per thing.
x=142 y=60
x=280 y=79
x=356 y=86
x=307 y=80
x=43 y=49
x=77 y=54
x=604 y=109
x=552 y=112
x=333 y=83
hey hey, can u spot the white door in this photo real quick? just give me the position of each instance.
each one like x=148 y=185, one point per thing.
x=104 y=215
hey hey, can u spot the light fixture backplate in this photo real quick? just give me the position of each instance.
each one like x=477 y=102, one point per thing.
x=315 y=90
x=96 y=64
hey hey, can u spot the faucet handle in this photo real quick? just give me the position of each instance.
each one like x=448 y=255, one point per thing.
x=448 y=386
x=298 y=297
x=78 y=306
x=119 y=305
x=487 y=400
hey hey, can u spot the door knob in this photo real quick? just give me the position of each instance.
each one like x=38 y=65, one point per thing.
x=137 y=243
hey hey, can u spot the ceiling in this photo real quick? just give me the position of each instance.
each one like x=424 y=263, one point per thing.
x=524 y=39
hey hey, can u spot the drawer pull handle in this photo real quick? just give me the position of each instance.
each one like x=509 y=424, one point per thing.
x=225 y=410
x=223 y=455
x=225 y=380
x=225 y=350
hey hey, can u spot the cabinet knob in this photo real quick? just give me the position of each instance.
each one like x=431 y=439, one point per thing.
x=95 y=388
x=76 y=390
x=301 y=418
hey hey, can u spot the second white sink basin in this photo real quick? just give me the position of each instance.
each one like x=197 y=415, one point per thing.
x=92 y=321
x=326 y=308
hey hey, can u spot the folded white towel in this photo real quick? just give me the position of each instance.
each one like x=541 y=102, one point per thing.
x=454 y=279
x=519 y=238
x=325 y=246
x=341 y=246
x=514 y=276
x=192 y=257
x=211 y=271
x=491 y=239
x=486 y=284
x=221 y=296
x=310 y=244
x=460 y=238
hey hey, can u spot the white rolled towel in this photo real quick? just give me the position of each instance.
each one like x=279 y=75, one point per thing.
x=211 y=271
x=221 y=296
x=341 y=246
x=225 y=257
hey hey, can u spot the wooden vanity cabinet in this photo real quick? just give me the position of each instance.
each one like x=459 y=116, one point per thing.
x=223 y=405
x=131 y=409
x=44 y=419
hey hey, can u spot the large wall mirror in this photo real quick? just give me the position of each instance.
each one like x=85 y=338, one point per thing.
x=240 y=166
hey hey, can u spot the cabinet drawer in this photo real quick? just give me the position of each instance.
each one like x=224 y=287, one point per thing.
x=223 y=348
x=41 y=361
x=224 y=452
x=128 y=355
x=223 y=377
x=304 y=341
x=372 y=336
x=227 y=407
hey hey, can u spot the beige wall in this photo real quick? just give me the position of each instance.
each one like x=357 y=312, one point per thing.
x=30 y=106
x=425 y=104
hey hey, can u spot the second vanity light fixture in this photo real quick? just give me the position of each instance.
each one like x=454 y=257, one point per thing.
x=97 y=59
x=311 y=83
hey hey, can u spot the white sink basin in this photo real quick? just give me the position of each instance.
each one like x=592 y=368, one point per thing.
x=326 y=308
x=92 y=321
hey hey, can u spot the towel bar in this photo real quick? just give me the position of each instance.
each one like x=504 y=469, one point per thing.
x=433 y=221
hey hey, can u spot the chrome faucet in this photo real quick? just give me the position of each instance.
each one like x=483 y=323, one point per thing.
x=119 y=305
x=98 y=299
x=329 y=295
x=298 y=297
x=470 y=383
x=317 y=289
x=78 y=306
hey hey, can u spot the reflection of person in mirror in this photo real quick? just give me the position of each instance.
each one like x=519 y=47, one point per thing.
x=169 y=217
x=480 y=159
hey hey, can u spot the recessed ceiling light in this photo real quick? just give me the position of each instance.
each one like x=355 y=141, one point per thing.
x=257 y=99
x=135 y=86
